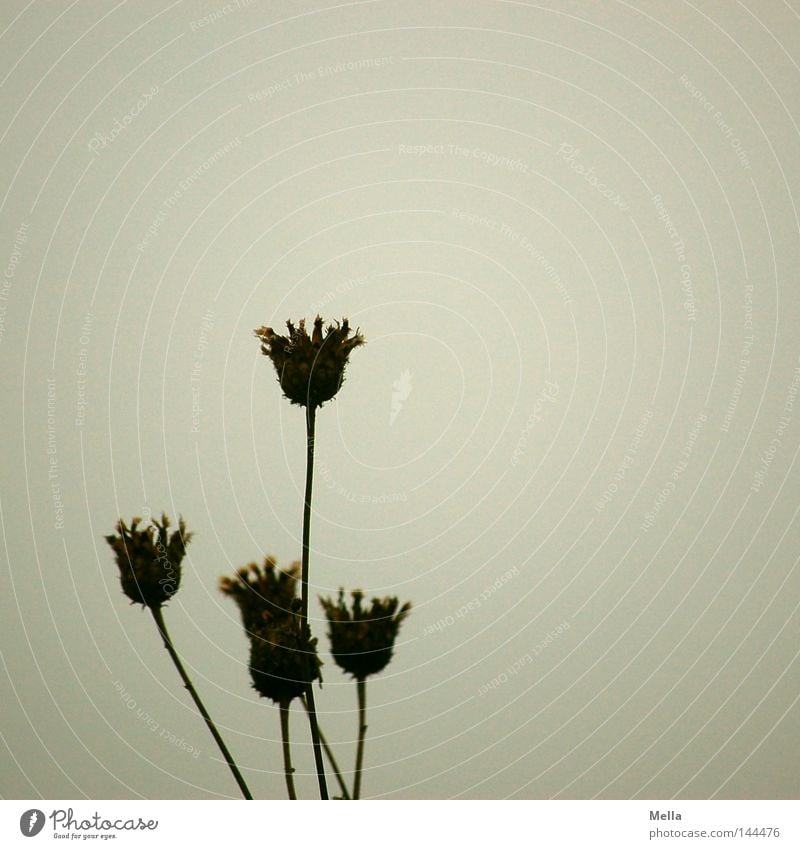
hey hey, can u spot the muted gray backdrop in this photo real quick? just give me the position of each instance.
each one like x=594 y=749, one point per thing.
x=568 y=233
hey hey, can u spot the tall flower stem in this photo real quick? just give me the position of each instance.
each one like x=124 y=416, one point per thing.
x=287 y=752
x=361 y=687
x=162 y=627
x=331 y=757
x=312 y=710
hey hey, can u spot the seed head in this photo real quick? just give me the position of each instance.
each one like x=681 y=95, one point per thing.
x=149 y=559
x=283 y=658
x=310 y=368
x=362 y=641
x=283 y=655
x=262 y=593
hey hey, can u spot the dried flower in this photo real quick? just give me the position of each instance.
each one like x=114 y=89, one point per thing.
x=283 y=658
x=310 y=368
x=264 y=593
x=283 y=655
x=362 y=641
x=149 y=563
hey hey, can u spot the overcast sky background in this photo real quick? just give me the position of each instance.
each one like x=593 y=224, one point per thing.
x=568 y=234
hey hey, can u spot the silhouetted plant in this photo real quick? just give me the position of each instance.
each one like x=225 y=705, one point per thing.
x=150 y=573
x=149 y=563
x=283 y=654
x=362 y=642
x=310 y=368
x=310 y=371
x=262 y=592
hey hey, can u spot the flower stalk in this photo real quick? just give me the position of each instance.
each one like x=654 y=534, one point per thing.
x=162 y=628
x=361 y=687
x=362 y=643
x=149 y=563
x=288 y=769
x=310 y=370
x=312 y=710
x=331 y=757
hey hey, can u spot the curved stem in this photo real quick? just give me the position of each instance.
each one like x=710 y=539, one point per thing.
x=162 y=627
x=361 y=687
x=331 y=758
x=288 y=770
x=312 y=711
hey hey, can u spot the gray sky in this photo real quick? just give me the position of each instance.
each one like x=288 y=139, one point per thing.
x=568 y=235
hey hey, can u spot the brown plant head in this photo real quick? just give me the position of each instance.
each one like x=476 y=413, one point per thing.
x=283 y=658
x=310 y=368
x=262 y=593
x=362 y=640
x=149 y=559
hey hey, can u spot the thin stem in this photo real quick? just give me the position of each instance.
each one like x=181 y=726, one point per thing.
x=331 y=758
x=162 y=627
x=361 y=687
x=312 y=721
x=287 y=752
x=312 y=710
x=310 y=423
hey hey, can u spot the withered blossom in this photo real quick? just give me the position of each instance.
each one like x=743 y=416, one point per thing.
x=283 y=658
x=149 y=559
x=262 y=593
x=283 y=654
x=150 y=571
x=310 y=368
x=362 y=640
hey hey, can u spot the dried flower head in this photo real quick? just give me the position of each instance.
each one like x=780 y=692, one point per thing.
x=283 y=658
x=362 y=641
x=149 y=560
x=310 y=368
x=262 y=593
